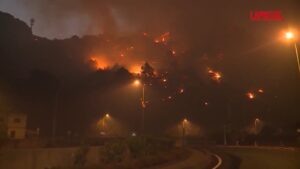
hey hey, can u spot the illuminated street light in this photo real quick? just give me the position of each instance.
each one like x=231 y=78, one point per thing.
x=184 y=123
x=292 y=37
x=104 y=123
x=289 y=35
x=256 y=121
x=185 y=120
x=137 y=82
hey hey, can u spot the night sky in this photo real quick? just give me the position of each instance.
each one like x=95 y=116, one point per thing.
x=182 y=40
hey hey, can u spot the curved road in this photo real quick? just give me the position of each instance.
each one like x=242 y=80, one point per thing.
x=197 y=160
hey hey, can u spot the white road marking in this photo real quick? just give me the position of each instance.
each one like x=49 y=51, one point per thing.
x=219 y=161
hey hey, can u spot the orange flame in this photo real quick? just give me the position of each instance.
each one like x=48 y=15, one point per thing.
x=214 y=75
x=99 y=62
x=136 y=69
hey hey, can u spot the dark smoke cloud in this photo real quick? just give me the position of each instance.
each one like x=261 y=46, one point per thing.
x=55 y=18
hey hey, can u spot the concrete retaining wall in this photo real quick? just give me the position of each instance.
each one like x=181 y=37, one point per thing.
x=44 y=158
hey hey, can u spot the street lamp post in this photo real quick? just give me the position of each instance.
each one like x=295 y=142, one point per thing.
x=143 y=107
x=225 y=136
x=297 y=55
x=104 y=125
x=256 y=121
x=137 y=83
x=291 y=36
x=184 y=131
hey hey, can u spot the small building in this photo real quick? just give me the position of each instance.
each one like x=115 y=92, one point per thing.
x=14 y=124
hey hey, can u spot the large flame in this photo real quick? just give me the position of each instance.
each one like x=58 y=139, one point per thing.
x=99 y=62
x=136 y=69
x=102 y=62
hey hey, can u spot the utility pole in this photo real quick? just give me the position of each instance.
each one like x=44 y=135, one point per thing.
x=143 y=107
x=225 y=136
x=55 y=109
x=54 y=115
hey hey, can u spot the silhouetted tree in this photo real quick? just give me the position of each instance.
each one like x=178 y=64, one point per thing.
x=147 y=73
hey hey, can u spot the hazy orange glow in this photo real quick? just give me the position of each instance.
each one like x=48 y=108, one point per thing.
x=104 y=62
x=289 y=35
x=137 y=82
x=136 y=69
x=185 y=120
x=99 y=62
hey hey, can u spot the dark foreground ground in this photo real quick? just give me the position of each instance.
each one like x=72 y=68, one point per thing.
x=258 y=158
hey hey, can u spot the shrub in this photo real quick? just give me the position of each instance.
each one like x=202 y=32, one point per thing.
x=113 y=152
x=3 y=136
x=136 y=146
x=80 y=156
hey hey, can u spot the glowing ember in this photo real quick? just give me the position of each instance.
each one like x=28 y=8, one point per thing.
x=181 y=91
x=164 y=80
x=163 y=38
x=217 y=76
x=260 y=91
x=250 y=95
x=173 y=52
x=205 y=103
x=170 y=97
x=214 y=75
